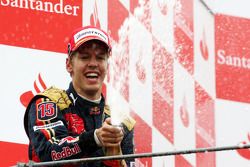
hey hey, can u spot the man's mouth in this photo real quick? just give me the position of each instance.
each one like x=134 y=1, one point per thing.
x=92 y=75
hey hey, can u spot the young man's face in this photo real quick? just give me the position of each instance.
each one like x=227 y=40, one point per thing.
x=88 y=67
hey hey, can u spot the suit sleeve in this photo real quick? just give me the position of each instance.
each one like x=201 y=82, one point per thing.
x=49 y=136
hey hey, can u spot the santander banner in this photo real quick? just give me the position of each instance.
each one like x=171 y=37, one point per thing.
x=180 y=71
x=232 y=58
x=52 y=6
x=44 y=25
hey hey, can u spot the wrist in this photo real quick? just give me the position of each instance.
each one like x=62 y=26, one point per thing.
x=98 y=142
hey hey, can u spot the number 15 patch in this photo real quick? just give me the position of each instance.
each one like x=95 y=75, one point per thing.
x=46 y=111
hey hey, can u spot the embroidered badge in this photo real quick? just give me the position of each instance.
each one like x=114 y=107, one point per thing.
x=75 y=123
x=95 y=111
x=69 y=139
x=48 y=126
x=66 y=152
x=46 y=111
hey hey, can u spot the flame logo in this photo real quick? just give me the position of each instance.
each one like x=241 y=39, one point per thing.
x=27 y=96
x=140 y=69
x=245 y=153
x=94 y=19
x=162 y=4
x=203 y=47
x=184 y=113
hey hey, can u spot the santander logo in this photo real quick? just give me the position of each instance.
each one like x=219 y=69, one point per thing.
x=58 y=7
x=240 y=61
x=94 y=19
x=39 y=86
x=140 y=69
x=162 y=4
x=245 y=153
x=184 y=113
x=203 y=46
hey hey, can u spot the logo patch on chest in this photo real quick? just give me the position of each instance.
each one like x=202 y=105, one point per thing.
x=94 y=111
x=46 y=111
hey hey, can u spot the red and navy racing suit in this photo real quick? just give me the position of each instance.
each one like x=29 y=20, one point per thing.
x=60 y=125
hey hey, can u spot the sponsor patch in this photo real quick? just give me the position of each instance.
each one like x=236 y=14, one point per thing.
x=69 y=139
x=65 y=153
x=47 y=126
x=95 y=111
x=46 y=111
x=90 y=32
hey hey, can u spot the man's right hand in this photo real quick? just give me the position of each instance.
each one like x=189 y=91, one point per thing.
x=109 y=135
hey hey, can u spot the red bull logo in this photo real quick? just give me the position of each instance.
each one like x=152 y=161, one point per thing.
x=66 y=152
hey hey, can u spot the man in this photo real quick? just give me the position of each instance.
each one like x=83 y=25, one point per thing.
x=76 y=123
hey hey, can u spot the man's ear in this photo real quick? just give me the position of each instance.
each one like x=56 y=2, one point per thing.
x=69 y=65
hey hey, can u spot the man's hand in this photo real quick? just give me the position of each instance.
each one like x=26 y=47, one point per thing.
x=108 y=135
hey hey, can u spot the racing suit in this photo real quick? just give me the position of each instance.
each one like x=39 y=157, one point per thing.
x=60 y=125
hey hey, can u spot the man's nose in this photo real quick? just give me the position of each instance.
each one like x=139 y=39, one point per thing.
x=93 y=61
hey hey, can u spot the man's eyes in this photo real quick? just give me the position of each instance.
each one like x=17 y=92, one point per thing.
x=84 y=56
x=101 y=56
